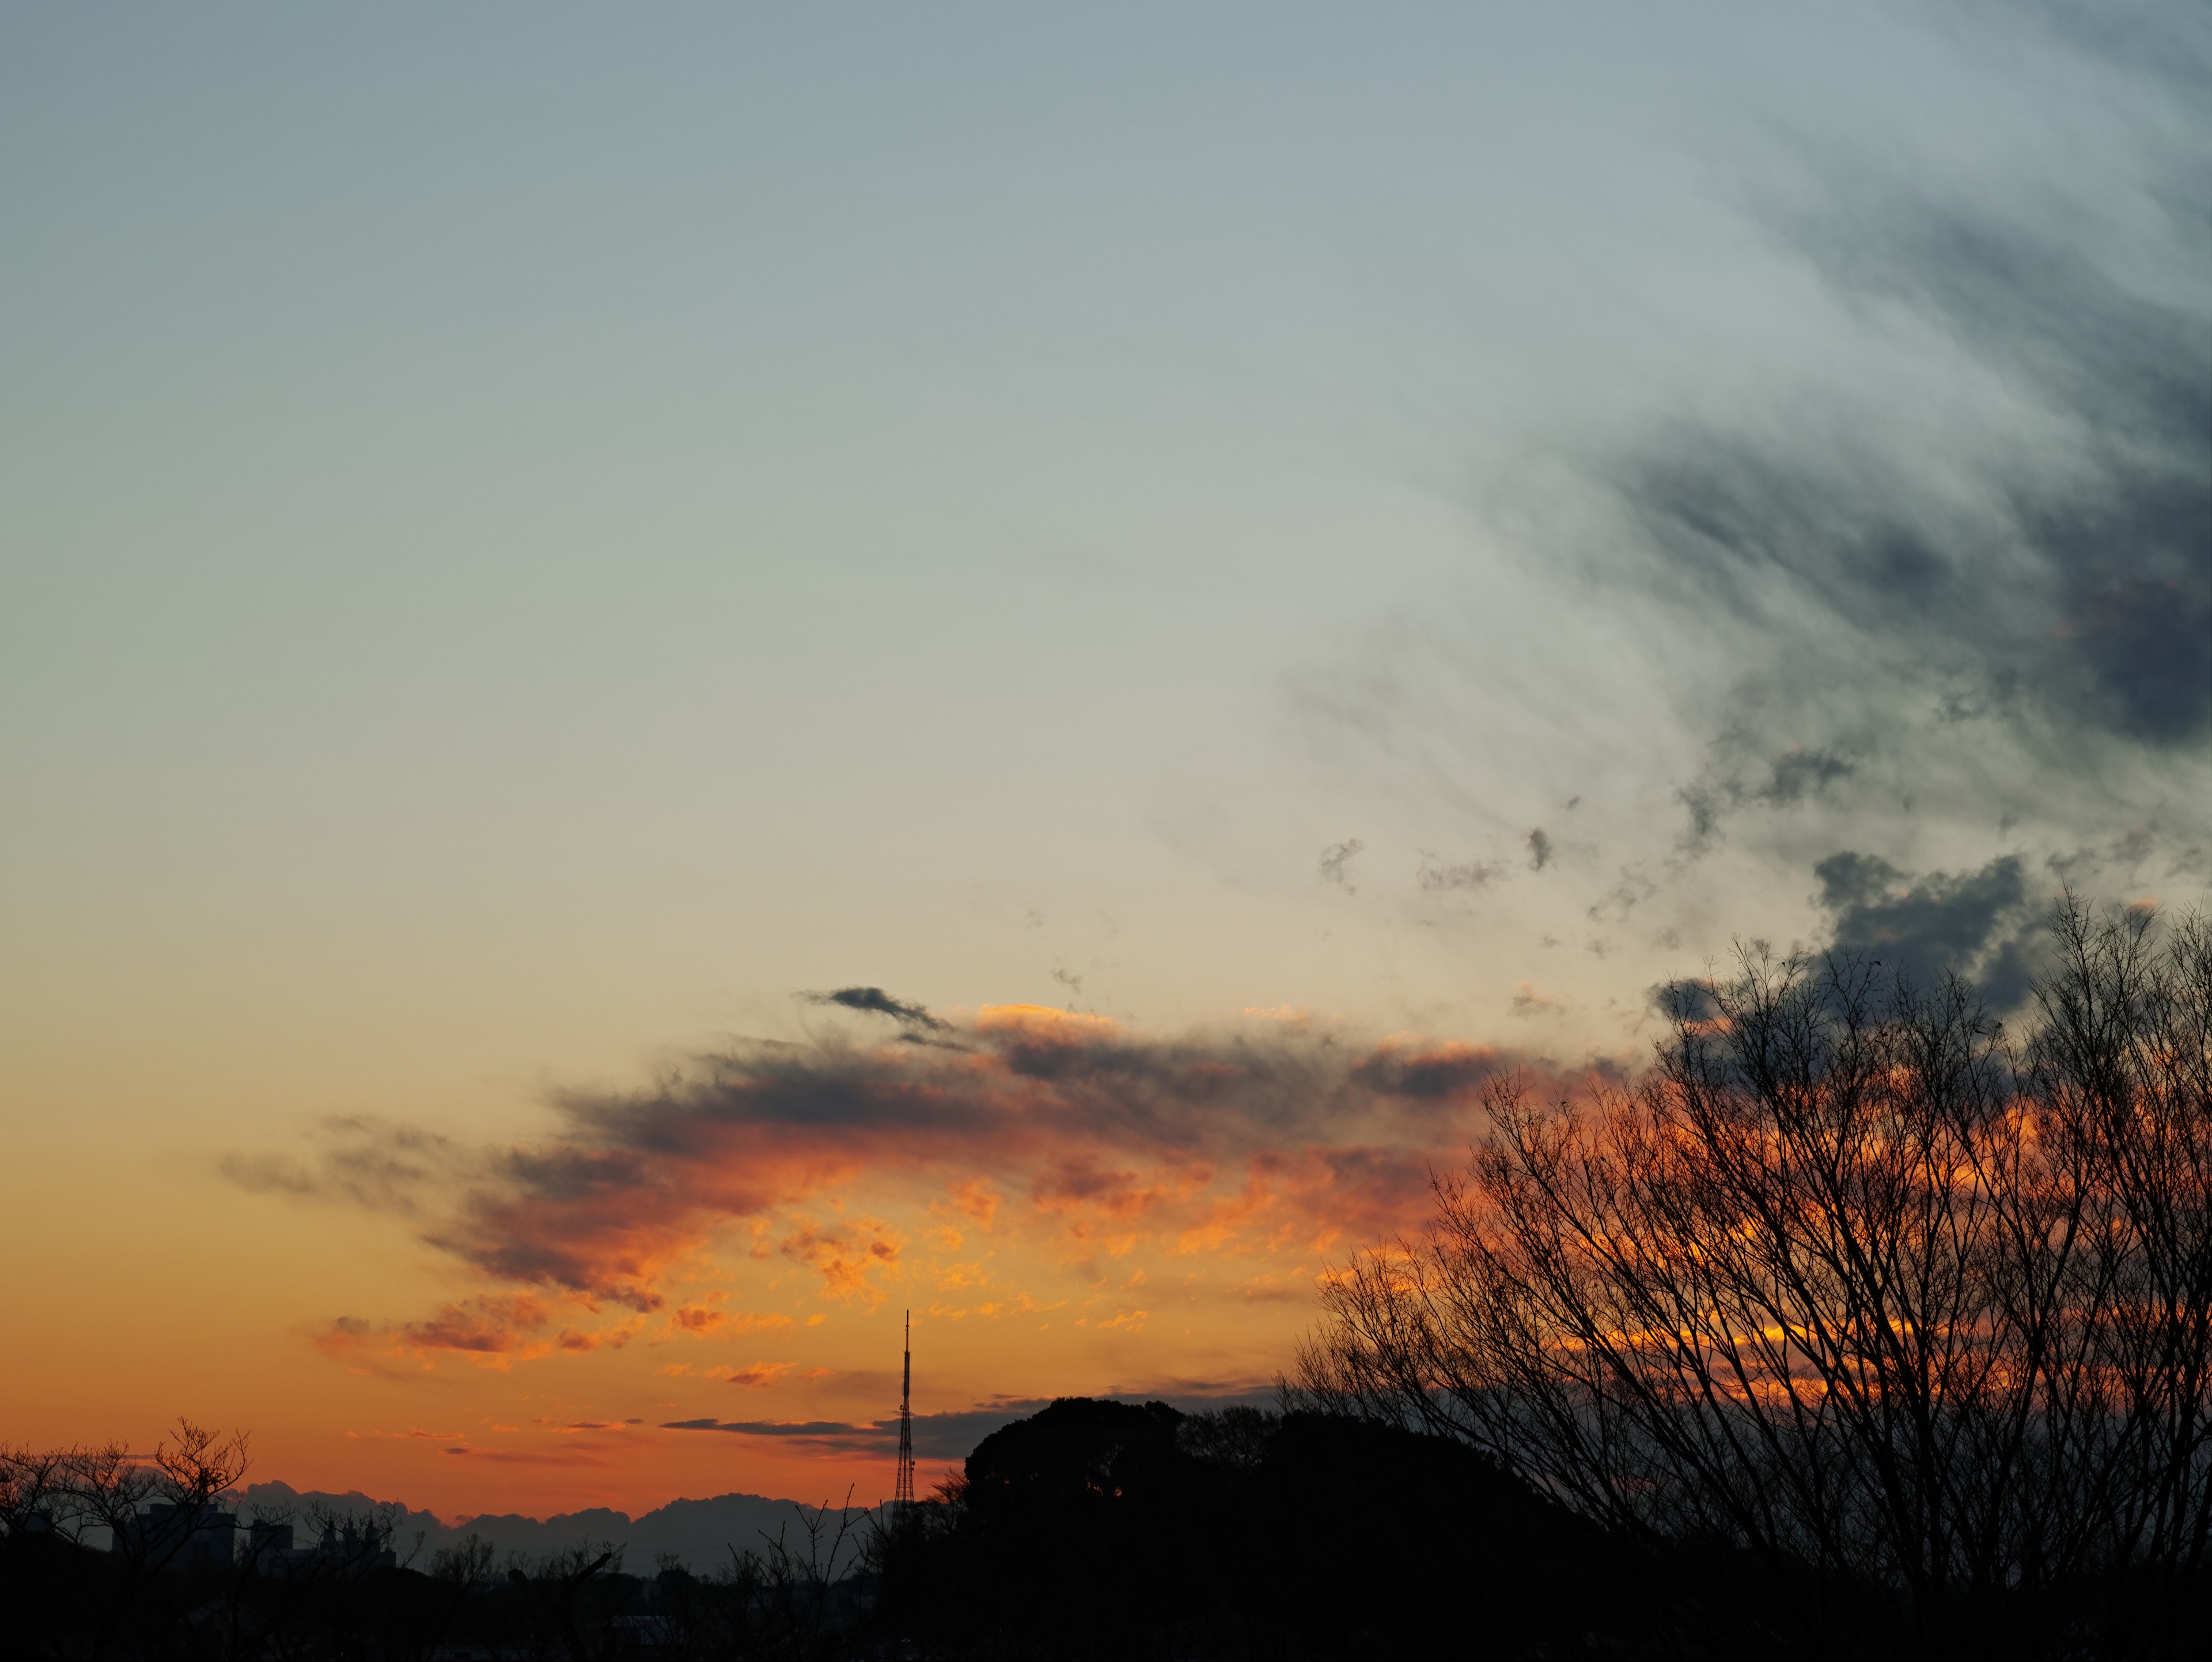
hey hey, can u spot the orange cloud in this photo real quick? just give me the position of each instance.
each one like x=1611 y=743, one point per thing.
x=975 y=1201
x=699 y=1321
x=756 y=1374
x=845 y=1256
x=1268 y=1139
x=576 y=1340
x=491 y=1330
x=1042 y=1024
x=484 y=1325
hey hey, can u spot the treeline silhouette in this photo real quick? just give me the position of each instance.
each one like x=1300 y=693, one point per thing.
x=1093 y=1529
x=1862 y=1325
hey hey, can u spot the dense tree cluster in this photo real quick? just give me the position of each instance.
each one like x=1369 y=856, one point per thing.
x=1109 y=1529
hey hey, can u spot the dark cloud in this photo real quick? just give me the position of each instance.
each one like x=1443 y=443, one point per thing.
x=1685 y=1000
x=371 y=1162
x=1797 y=774
x=874 y=1001
x=1973 y=572
x=1449 y=1071
x=1980 y=924
x=954 y=1435
x=1799 y=771
x=1336 y=863
x=1468 y=875
x=2060 y=589
x=2078 y=591
x=1922 y=559
x=774 y=1427
x=948 y=1436
x=1539 y=849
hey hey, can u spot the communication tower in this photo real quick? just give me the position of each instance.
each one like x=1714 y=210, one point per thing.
x=903 y=1498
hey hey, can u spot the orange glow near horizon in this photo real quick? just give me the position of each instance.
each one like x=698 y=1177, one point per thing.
x=697 y=1288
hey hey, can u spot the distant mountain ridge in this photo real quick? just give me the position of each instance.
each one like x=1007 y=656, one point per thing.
x=699 y=1534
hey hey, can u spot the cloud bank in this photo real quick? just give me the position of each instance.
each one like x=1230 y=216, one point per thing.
x=1084 y=1137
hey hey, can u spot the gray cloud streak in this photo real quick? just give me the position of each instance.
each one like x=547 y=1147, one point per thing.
x=2042 y=585
x=874 y=1001
x=1941 y=596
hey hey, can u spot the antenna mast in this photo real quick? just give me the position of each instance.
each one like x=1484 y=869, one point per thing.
x=903 y=1497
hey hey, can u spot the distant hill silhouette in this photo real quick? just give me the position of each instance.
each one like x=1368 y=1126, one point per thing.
x=698 y=1533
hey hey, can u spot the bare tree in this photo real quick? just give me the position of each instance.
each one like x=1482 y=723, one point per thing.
x=466 y=1565
x=557 y=1601
x=786 y=1602
x=1853 y=1279
x=155 y=1512
x=30 y=1486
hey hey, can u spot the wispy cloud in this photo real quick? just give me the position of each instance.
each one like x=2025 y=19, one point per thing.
x=490 y=1331
x=1936 y=590
x=2017 y=601
x=755 y=1375
x=1336 y=863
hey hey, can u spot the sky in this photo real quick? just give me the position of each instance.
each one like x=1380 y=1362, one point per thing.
x=672 y=682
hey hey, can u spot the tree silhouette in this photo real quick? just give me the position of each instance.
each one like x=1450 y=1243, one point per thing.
x=157 y=1513
x=1854 y=1281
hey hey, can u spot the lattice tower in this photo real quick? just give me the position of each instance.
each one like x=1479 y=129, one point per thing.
x=904 y=1496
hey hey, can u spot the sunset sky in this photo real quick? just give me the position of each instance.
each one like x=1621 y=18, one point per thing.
x=673 y=680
